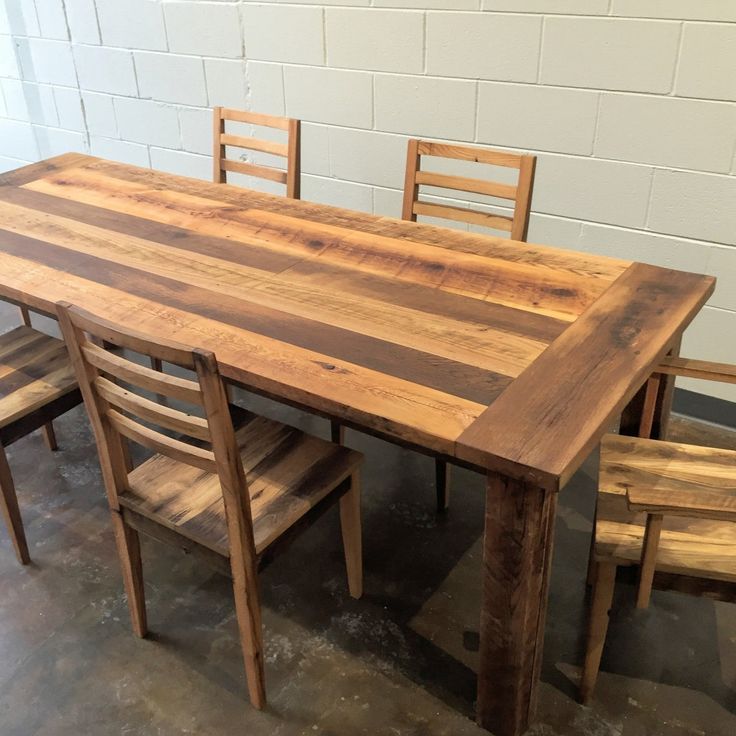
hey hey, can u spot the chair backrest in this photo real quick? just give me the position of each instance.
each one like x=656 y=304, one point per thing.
x=291 y=150
x=673 y=366
x=520 y=193
x=110 y=384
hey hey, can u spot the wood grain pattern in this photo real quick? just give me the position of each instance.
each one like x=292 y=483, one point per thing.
x=591 y=371
x=287 y=473
x=517 y=553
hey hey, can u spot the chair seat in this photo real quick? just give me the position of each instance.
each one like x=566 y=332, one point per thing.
x=688 y=546
x=288 y=473
x=35 y=370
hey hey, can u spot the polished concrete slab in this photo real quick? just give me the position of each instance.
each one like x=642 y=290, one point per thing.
x=398 y=662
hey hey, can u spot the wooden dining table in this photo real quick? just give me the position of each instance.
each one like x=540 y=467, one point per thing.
x=508 y=358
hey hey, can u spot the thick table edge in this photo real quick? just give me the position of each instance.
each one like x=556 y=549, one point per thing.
x=554 y=475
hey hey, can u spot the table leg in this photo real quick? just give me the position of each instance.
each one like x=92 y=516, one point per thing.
x=517 y=552
x=632 y=414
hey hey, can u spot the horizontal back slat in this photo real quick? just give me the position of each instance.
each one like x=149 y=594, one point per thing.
x=255 y=144
x=142 y=377
x=153 y=440
x=254 y=118
x=460 y=214
x=108 y=332
x=470 y=153
x=263 y=172
x=151 y=411
x=465 y=184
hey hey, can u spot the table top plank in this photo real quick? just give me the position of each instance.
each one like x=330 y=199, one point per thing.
x=467 y=345
x=553 y=413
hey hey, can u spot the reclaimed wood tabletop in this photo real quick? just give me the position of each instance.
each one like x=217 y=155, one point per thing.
x=506 y=357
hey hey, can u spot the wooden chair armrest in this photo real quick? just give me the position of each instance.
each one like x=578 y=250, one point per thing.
x=704 y=369
x=704 y=504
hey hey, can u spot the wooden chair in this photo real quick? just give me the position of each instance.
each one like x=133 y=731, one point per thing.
x=667 y=507
x=230 y=491
x=290 y=150
x=520 y=194
x=37 y=384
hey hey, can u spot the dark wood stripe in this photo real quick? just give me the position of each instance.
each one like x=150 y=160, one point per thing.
x=433 y=301
x=250 y=255
x=451 y=377
x=545 y=424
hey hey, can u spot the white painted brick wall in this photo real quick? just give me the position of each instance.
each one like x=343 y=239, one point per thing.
x=630 y=105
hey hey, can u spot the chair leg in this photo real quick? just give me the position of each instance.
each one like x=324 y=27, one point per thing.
x=337 y=433
x=592 y=564
x=25 y=315
x=605 y=579
x=49 y=436
x=129 y=552
x=248 y=612
x=352 y=536
x=10 y=510
x=442 y=485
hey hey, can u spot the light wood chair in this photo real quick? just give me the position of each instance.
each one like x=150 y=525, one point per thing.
x=37 y=384
x=669 y=508
x=290 y=176
x=228 y=484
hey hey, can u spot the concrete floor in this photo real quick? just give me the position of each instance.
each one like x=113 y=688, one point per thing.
x=398 y=662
